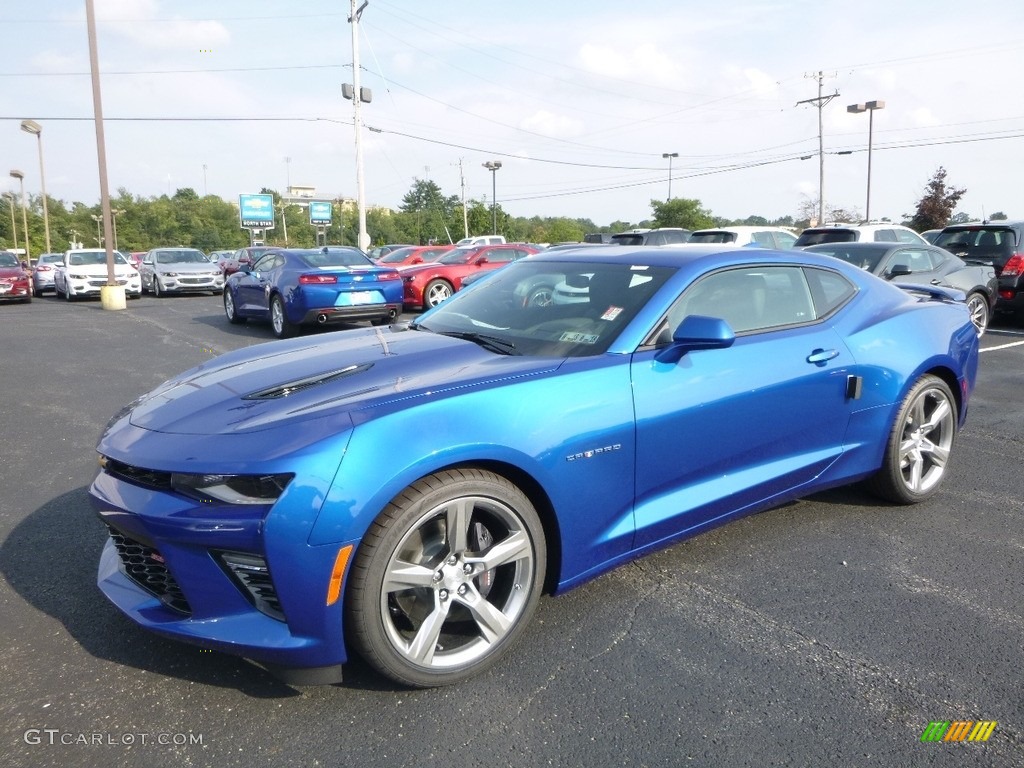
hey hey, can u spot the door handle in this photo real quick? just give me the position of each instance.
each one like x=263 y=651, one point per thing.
x=822 y=356
x=936 y=281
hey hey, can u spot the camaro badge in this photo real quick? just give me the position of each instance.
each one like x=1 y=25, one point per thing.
x=592 y=453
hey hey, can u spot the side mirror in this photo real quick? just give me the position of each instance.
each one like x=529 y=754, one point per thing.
x=416 y=260
x=481 y=260
x=696 y=332
x=899 y=270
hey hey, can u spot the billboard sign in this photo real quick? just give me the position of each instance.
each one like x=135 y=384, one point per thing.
x=256 y=211
x=320 y=213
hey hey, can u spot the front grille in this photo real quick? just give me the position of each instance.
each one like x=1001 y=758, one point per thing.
x=145 y=566
x=251 y=575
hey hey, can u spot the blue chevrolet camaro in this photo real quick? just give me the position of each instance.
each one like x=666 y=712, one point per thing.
x=407 y=493
x=296 y=288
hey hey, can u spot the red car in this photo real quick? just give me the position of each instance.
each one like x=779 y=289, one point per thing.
x=414 y=254
x=427 y=285
x=15 y=280
x=230 y=263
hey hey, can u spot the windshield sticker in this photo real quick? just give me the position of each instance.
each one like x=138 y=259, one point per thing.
x=611 y=313
x=578 y=338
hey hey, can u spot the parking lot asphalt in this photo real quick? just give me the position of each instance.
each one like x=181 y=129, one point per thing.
x=828 y=632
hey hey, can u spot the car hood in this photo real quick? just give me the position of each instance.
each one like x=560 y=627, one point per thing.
x=271 y=385
x=12 y=272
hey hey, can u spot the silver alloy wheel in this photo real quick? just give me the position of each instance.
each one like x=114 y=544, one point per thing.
x=926 y=439
x=457 y=583
x=977 y=305
x=229 y=306
x=156 y=286
x=437 y=292
x=277 y=316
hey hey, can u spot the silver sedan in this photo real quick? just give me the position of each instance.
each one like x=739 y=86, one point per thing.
x=179 y=270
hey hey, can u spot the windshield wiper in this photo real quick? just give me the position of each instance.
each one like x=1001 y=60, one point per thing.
x=493 y=343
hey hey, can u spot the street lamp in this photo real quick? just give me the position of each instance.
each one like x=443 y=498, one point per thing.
x=113 y=220
x=870 y=108
x=493 y=166
x=669 y=155
x=31 y=126
x=11 y=198
x=24 y=213
x=99 y=232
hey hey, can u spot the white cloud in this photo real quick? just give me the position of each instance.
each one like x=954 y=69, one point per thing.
x=148 y=22
x=641 y=62
x=548 y=124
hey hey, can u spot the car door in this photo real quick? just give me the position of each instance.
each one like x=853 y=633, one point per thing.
x=724 y=429
x=253 y=290
x=146 y=272
x=921 y=268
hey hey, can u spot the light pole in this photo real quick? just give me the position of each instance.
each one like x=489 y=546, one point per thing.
x=99 y=232
x=11 y=197
x=870 y=108
x=669 y=155
x=493 y=166
x=31 y=126
x=24 y=214
x=113 y=220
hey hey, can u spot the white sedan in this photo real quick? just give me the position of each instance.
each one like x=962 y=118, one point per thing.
x=84 y=272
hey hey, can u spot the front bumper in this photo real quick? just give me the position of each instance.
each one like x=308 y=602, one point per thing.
x=165 y=567
x=15 y=291
x=92 y=286
x=188 y=284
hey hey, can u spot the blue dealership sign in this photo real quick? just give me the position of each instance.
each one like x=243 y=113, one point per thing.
x=320 y=213
x=256 y=211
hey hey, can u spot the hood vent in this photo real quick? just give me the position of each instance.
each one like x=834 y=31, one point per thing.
x=299 y=385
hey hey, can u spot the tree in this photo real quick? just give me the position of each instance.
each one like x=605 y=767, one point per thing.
x=998 y=216
x=681 y=212
x=936 y=206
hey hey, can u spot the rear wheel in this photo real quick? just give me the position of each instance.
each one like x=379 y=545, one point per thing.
x=283 y=327
x=446 y=578
x=977 y=305
x=920 y=443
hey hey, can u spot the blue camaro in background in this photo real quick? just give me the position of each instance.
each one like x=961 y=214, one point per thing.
x=407 y=493
x=293 y=288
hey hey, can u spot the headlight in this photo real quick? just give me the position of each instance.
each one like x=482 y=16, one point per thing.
x=169 y=274
x=76 y=276
x=233 y=489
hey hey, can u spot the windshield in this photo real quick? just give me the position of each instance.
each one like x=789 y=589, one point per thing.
x=865 y=258
x=396 y=256
x=713 y=237
x=813 y=237
x=92 y=258
x=8 y=259
x=556 y=309
x=978 y=242
x=183 y=256
x=337 y=257
x=458 y=256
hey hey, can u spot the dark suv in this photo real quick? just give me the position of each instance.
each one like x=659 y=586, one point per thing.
x=999 y=244
x=662 y=236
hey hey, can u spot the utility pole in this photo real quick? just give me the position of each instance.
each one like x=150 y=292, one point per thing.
x=465 y=213
x=364 y=239
x=820 y=103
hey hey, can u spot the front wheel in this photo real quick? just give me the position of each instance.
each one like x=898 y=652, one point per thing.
x=446 y=578
x=920 y=443
x=283 y=327
x=436 y=292
x=977 y=305
x=229 y=309
x=157 y=293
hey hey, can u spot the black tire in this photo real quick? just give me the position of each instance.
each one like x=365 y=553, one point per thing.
x=157 y=293
x=229 y=309
x=279 y=322
x=977 y=305
x=67 y=293
x=920 y=444
x=435 y=292
x=459 y=595
x=37 y=293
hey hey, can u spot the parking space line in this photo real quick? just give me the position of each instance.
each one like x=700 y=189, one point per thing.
x=1003 y=346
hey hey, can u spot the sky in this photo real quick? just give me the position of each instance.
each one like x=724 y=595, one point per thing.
x=578 y=101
